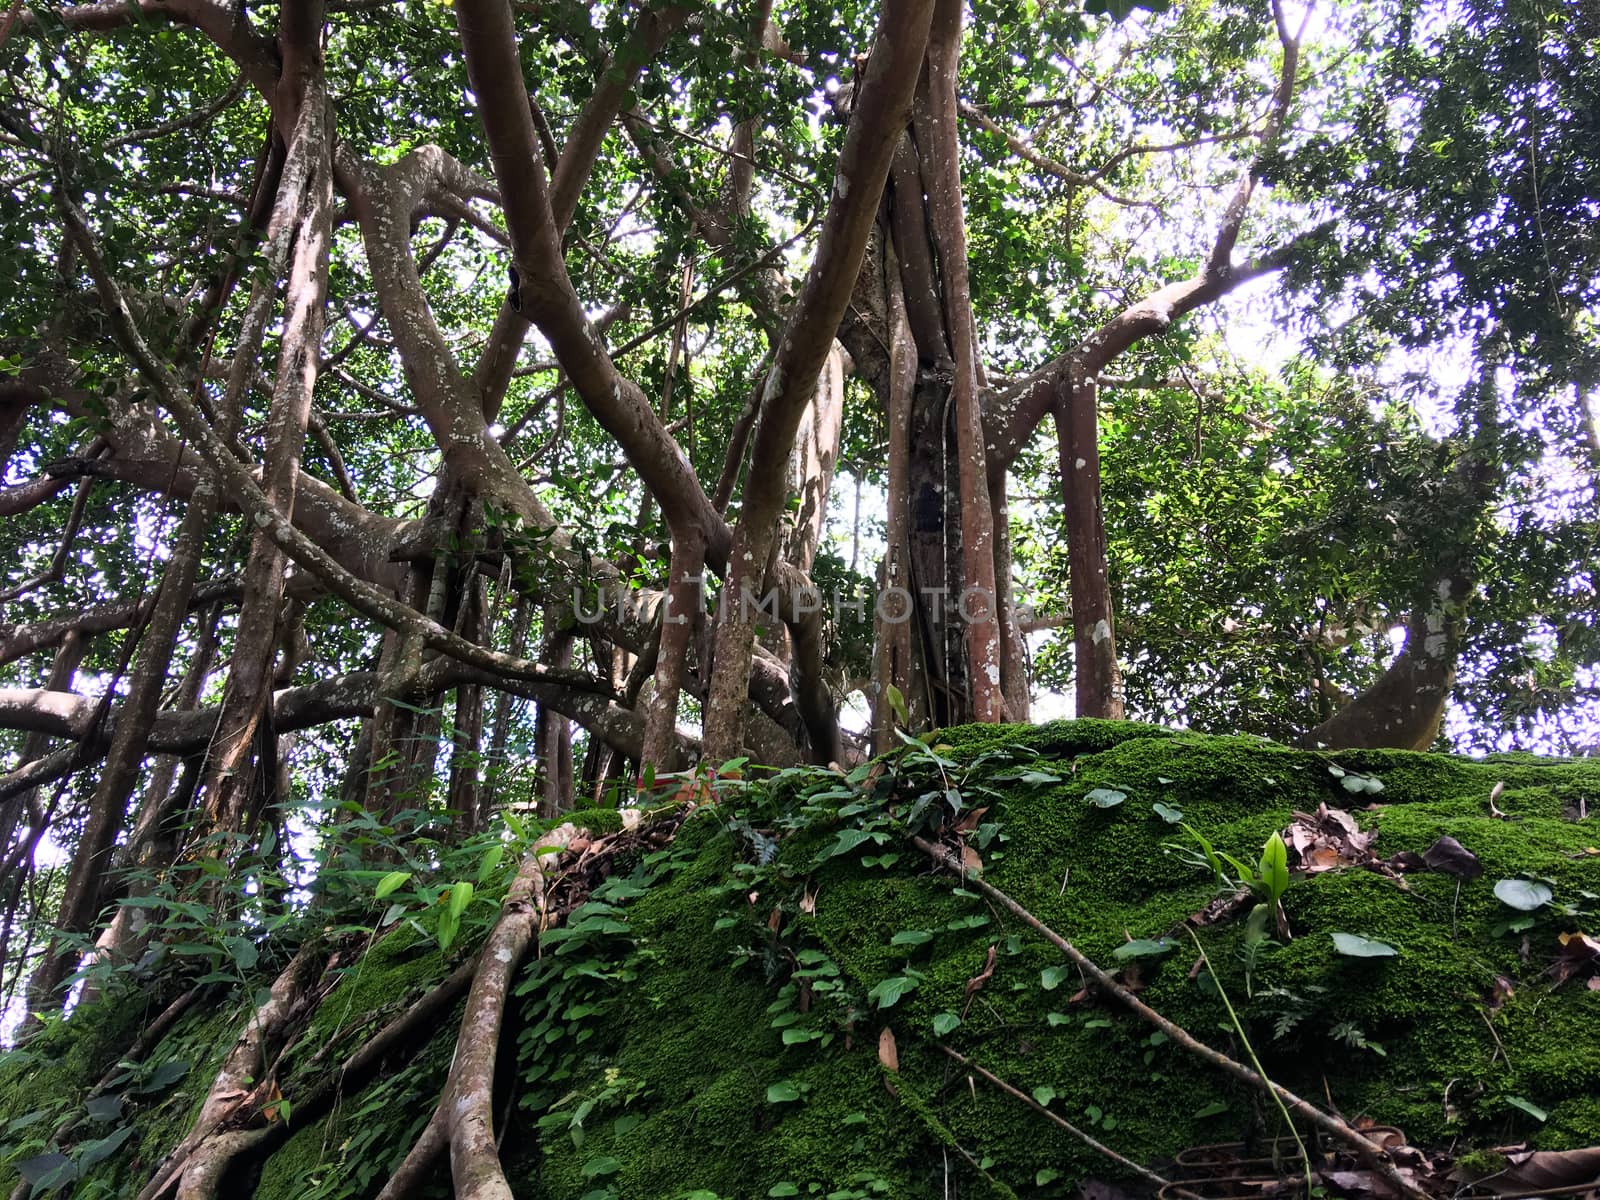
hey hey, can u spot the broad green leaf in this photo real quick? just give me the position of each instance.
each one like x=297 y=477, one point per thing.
x=1144 y=948
x=1274 y=867
x=1050 y=978
x=1525 y=895
x=389 y=883
x=1529 y=1107
x=1105 y=797
x=1356 y=946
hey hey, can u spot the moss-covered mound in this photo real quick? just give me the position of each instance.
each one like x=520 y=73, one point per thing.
x=711 y=1022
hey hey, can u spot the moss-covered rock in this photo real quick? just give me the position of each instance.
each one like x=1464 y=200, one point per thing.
x=719 y=1019
x=742 y=1082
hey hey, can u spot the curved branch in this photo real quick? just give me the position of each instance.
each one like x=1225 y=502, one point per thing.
x=543 y=290
x=238 y=481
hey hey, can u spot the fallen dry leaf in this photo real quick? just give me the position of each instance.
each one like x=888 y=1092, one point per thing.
x=1500 y=993
x=1543 y=1170
x=969 y=822
x=970 y=861
x=1451 y=857
x=1579 y=952
x=888 y=1054
x=975 y=984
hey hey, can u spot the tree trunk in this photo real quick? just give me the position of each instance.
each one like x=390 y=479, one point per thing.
x=1099 y=681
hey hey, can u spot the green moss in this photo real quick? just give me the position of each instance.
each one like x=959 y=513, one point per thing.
x=376 y=987
x=694 y=1040
x=711 y=1023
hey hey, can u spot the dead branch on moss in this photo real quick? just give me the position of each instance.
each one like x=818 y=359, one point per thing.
x=1369 y=1152
x=1086 y=1139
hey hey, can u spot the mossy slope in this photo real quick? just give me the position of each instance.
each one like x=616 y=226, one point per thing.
x=713 y=1024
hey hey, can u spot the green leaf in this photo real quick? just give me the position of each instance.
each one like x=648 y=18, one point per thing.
x=782 y=1092
x=945 y=1023
x=852 y=839
x=887 y=993
x=99 y=1108
x=1525 y=895
x=911 y=937
x=1046 y=1175
x=388 y=884
x=449 y=927
x=1144 y=948
x=1043 y=1094
x=1215 y=1109
x=1050 y=978
x=1529 y=1107
x=101 y=1149
x=602 y=1164
x=1359 y=947
x=1274 y=867
x=491 y=860
x=784 y=1188
x=47 y=1171
x=243 y=950
x=1105 y=797
x=1038 y=778
x=460 y=897
x=897 y=703
x=1167 y=813
x=164 y=1076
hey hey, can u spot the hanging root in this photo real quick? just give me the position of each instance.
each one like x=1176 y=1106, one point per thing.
x=1368 y=1151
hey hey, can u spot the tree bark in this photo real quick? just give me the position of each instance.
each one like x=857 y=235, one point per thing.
x=883 y=101
x=247 y=696
x=1099 y=680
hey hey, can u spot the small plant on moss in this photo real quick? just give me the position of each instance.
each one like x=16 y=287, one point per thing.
x=1268 y=880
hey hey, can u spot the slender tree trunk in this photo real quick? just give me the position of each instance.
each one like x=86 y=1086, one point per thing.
x=247 y=696
x=154 y=839
x=680 y=620
x=1013 y=650
x=552 y=738
x=893 y=663
x=882 y=103
x=495 y=765
x=87 y=877
x=1099 y=684
x=977 y=602
x=1404 y=709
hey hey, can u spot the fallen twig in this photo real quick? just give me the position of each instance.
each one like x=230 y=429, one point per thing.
x=1086 y=1139
x=1368 y=1151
